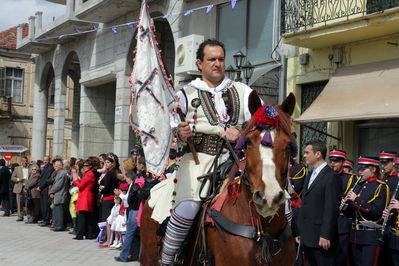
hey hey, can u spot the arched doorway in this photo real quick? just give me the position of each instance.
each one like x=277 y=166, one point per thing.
x=70 y=81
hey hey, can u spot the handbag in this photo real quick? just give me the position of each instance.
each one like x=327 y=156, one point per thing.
x=28 y=197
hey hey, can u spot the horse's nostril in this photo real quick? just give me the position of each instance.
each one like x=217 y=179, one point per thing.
x=279 y=198
x=258 y=197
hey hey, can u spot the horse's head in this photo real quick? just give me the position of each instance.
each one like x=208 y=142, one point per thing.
x=267 y=142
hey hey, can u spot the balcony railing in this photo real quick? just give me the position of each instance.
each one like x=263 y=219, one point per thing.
x=298 y=15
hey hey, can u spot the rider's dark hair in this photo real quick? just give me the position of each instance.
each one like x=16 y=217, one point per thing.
x=210 y=42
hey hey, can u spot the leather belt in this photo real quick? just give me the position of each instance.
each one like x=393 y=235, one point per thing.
x=205 y=143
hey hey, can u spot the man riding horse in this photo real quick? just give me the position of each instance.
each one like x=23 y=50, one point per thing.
x=215 y=108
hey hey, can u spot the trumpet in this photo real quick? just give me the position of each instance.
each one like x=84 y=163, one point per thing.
x=343 y=205
x=384 y=224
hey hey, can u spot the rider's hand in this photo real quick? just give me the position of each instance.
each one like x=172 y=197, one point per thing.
x=184 y=131
x=231 y=134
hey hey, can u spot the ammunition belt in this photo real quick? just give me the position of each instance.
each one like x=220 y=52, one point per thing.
x=205 y=143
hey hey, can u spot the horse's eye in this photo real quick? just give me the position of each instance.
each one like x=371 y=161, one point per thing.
x=248 y=142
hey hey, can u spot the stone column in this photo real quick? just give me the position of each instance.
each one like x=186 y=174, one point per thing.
x=70 y=8
x=19 y=33
x=38 y=20
x=31 y=27
x=59 y=117
x=75 y=120
x=122 y=104
x=39 y=124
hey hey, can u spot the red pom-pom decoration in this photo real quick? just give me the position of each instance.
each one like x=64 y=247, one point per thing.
x=266 y=116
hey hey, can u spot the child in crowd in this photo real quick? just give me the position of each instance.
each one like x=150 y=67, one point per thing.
x=73 y=191
x=119 y=226
x=111 y=218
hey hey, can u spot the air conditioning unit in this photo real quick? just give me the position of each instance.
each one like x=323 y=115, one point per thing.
x=186 y=49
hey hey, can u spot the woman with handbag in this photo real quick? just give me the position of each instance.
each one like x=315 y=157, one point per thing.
x=33 y=194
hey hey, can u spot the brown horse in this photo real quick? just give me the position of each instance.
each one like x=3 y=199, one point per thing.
x=261 y=196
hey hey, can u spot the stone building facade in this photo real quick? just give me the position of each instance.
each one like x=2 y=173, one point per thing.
x=98 y=64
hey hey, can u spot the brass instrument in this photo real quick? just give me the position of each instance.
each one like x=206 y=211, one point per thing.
x=384 y=224
x=343 y=205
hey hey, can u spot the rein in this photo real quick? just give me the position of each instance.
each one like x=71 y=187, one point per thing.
x=266 y=119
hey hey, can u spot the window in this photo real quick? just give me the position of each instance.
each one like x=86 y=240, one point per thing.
x=11 y=83
x=249 y=28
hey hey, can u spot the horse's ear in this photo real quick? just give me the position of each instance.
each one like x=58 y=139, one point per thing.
x=254 y=102
x=288 y=104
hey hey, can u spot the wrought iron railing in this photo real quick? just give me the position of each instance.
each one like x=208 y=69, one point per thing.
x=297 y=15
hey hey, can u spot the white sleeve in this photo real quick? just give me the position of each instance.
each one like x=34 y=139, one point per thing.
x=174 y=118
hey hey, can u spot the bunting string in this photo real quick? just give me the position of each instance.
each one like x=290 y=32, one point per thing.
x=133 y=24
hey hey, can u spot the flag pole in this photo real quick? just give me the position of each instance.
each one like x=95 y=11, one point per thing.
x=190 y=141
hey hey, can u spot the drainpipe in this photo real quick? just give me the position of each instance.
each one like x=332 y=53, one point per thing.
x=283 y=59
x=282 y=87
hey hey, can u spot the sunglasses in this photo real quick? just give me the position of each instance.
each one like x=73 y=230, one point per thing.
x=86 y=165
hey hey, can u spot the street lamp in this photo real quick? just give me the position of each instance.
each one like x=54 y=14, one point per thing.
x=246 y=68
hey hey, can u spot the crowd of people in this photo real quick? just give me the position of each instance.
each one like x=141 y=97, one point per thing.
x=338 y=217
x=344 y=218
x=92 y=198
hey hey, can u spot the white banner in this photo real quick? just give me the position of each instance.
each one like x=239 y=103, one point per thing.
x=153 y=97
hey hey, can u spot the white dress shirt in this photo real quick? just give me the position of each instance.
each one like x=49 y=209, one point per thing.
x=315 y=173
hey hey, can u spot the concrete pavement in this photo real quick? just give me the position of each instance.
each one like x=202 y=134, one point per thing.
x=30 y=244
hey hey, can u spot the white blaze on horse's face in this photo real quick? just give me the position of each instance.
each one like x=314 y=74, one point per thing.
x=273 y=195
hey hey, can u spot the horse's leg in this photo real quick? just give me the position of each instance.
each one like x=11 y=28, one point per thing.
x=234 y=251
x=149 y=238
x=286 y=257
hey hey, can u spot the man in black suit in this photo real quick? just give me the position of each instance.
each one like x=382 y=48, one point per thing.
x=5 y=177
x=44 y=182
x=318 y=214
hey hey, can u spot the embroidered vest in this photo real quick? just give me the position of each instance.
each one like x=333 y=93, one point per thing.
x=207 y=121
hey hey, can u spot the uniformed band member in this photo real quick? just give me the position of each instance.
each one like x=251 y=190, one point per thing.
x=348 y=166
x=391 y=238
x=297 y=174
x=387 y=159
x=337 y=159
x=337 y=163
x=367 y=202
